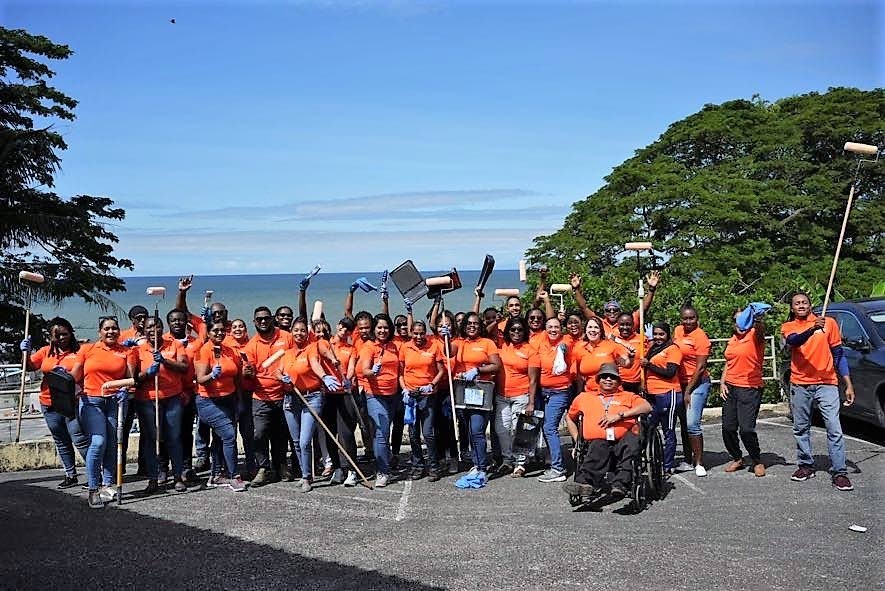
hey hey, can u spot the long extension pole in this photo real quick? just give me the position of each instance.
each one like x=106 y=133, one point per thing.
x=451 y=386
x=823 y=311
x=21 y=393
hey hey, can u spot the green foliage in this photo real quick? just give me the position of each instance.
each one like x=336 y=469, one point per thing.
x=742 y=193
x=63 y=239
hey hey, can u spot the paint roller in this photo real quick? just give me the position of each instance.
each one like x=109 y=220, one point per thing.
x=317 y=310
x=638 y=248
x=272 y=359
x=157 y=291
x=865 y=149
x=560 y=288
x=506 y=293
x=117 y=384
x=522 y=271
x=30 y=277
x=443 y=281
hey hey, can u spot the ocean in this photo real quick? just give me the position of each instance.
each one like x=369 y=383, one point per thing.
x=243 y=293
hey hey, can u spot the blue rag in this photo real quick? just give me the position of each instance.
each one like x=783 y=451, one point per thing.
x=472 y=480
x=409 y=405
x=364 y=285
x=749 y=314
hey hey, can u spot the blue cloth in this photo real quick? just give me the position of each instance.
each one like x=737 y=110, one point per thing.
x=749 y=314
x=472 y=480
x=364 y=285
x=409 y=403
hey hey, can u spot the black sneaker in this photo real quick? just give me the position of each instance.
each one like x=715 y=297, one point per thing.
x=151 y=488
x=434 y=475
x=201 y=465
x=68 y=482
x=841 y=482
x=180 y=486
x=417 y=474
x=803 y=473
x=95 y=500
x=618 y=492
x=583 y=490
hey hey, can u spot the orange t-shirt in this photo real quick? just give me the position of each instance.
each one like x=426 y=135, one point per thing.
x=743 y=360
x=473 y=353
x=420 y=363
x=547 y=354
x=231 y=365
x=267 y=386
x=169 y=380
x=692 y=345
x=130 y=333
x=654 y=383
x=386 y=383
x=42 y=360
x=593 y=405
x=612 y=329
x=343 y=352
x=296 y=364
x=812 y=361
x=103 y=363
x=536 y=338
x=233 y=343
x=516 y=359
x=588 y=358
x=633 y=372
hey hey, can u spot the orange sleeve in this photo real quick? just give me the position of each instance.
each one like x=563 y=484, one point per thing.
x=834 y=338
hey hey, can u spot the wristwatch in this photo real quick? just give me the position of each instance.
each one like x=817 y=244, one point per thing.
x=621 y=415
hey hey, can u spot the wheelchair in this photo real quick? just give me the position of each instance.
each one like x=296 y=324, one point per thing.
x=647 y=483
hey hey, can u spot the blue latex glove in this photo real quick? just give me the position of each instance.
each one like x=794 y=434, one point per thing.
x=407 y=302
x=408 y=409
x=158 y=358
x=406 y=394
x=122 y=395
x=304 y=283
x=376 y=369
x=153 y=370
x=444 y=331
x=331 y=383
x=563 y=347
x=649 y=331
x=206 y=315
x=471 y=374
x=286 y=380
x=384 y=293
x=130 y=343
x=25 y=345
x=216 y=372
x=348 y=385
x=426 y=389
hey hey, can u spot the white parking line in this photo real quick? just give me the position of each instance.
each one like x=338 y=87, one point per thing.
x=693 y=487
x=403 y=501
x=819 y=430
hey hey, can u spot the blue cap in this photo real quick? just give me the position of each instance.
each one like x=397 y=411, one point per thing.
x=614 y=304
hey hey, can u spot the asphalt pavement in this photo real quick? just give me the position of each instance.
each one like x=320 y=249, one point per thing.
x=725 y=531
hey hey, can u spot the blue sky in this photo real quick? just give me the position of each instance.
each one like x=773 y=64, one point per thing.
x=258 y=137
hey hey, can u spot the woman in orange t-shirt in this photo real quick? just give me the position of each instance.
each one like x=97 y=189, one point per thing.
x=379 y=372
x=236 y=339
x=100 y=408
x=517 y=389
x=59 y=354
x=167 y=365
x=556 y=381
x=741 y=392
x=661 y=364
x=340 y=410
x=218 y=368
x=476 y=358
x=594 y=350
x=421 y=370
x=695 y=383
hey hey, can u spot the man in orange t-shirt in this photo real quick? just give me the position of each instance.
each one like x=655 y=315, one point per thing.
x=609 y=429
x=816 y=362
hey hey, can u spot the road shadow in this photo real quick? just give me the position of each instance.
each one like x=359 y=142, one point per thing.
x=52 y=540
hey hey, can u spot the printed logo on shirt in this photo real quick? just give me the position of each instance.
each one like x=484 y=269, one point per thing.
x=521 y=355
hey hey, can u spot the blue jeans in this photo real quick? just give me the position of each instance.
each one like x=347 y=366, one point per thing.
x=424 y=419
x=98 y=418
x=663 y=413
x=827 y=398
x=66 y=433
x=170 y=432
x=478 y=420
x=381 y=410
x=302 y=426
x=696 y=410
x=554 y=404
x=220 y=414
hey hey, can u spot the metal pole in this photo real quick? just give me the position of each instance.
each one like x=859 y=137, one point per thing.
x=21 y=394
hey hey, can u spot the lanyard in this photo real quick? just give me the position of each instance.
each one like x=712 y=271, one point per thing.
x=605 y=404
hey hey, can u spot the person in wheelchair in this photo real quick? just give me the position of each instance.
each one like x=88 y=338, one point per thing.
x=610 y=432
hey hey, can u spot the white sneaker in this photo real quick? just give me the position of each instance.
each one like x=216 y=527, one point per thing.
x=700 y=471
x=108 y=493
x=351 y=478
x=684 y=467
x=381 y=480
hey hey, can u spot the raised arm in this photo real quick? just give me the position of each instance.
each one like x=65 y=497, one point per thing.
x=653 y=279
x=575 y=281
x=184 y=285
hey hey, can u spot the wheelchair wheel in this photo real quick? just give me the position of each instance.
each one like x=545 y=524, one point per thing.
x=655 y=457
x=640 y=493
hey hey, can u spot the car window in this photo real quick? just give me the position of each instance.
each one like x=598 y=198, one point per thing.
x=849 y=326
x=878 y=318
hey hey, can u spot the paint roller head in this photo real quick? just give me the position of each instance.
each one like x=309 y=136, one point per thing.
x=29 y=276
x=506 y=293
x=317 y=310
x=156 y=291
x=442 y=281
x=117 y=384
x=560 y=288
x=522 y=271
x=638 y=246
x=272 y=359
x=857 y=148
x=208 y=293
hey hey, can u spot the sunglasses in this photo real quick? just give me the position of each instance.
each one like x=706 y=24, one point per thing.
x=401 y=324
x=538 y=318
x=103 y=318
x=517 y=329
x=612 y=309
x=471 y=323
x=608 y=377
x=263 y=318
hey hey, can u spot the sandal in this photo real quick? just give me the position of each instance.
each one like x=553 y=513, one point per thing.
x=518 y=472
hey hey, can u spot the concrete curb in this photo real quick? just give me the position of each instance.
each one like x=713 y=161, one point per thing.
x=33 y=455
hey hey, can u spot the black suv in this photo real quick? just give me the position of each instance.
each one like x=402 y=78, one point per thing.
x=862 y=325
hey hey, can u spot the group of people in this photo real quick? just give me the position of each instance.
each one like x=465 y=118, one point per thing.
x=297 y=382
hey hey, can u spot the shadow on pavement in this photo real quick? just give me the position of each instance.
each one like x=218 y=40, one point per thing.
x=52 y=540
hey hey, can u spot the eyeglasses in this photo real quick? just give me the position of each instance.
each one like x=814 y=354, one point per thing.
x=612 y=309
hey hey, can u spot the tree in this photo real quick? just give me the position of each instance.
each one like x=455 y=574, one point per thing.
x=64 y=239
x=746 y=193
